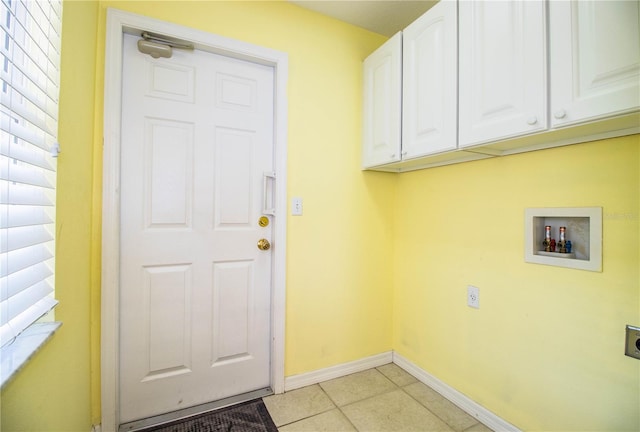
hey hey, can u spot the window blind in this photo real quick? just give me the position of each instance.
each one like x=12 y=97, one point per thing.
x=30 y=33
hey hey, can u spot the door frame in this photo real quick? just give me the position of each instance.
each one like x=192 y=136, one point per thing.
x=118 y=23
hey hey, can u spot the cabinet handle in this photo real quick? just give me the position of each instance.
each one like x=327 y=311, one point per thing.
x=532 y=120
x=404 y=153
x=393 y=155
x=560 y=114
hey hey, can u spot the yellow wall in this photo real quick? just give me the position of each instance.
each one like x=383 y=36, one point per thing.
x=545 y=349
x=338 y=277
x=53 y=392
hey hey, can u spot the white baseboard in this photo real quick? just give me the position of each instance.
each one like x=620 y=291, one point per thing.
x=337 y=371
x=472 y=408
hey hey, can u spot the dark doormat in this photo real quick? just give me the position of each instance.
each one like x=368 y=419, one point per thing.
x=249 y=416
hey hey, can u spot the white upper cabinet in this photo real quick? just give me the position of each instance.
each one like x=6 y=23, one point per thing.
x=429 y=101
x=503 y=87
x=382 y=104
x=475 y=79
x=595 y=59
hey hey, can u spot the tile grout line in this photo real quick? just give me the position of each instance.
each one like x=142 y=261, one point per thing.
x=312 y=415
x=338 y=408
x=436 y=415
x=396 y=387
x=426 y=407
x=367 y=398
x=420 y=403
x=372 y=396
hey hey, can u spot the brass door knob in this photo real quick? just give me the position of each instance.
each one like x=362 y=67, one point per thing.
x=263 y=244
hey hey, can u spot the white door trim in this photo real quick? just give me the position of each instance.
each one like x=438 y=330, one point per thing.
x=119 y=22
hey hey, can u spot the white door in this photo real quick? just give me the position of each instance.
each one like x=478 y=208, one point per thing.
x=195 y=291
x=383 y=104
x=503 y=71
x=429 y=75
x=595 y=59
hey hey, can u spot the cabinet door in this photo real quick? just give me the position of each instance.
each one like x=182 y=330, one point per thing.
x=429 y=82
x=595 y=59
x=382 y=104
x=503 y=84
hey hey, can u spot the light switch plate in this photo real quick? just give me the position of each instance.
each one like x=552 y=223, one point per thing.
x=632 y=345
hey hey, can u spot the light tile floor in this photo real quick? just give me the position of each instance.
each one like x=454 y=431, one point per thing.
x=383 y=399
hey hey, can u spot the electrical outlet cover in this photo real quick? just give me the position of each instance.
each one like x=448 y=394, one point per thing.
x=632 y=343
x=473 y=297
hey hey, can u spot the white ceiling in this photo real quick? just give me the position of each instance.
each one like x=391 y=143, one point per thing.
x=380 y=16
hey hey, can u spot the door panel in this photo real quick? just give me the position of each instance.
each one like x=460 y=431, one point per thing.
x=195 y=291
x=234 y=155
x=595 y=72
x=502 y=70
x=382 y=104
x=169 y=159
x=167 y=292
x=233 y=293
x=429 y=77
x=171 y=81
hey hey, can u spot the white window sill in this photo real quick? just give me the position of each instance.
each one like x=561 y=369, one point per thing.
x=15 y=355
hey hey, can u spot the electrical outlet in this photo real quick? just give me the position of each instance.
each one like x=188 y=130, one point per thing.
x=632 y=343
x=473 y=297
x=296 y=206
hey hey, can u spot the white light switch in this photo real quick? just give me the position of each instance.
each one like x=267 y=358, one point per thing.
x=296 y=206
